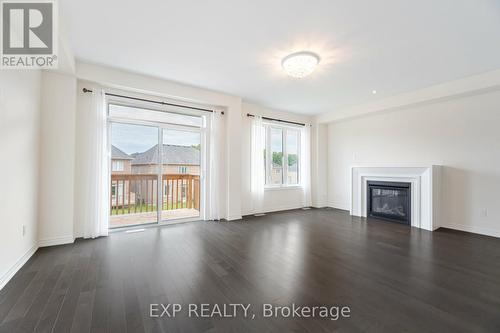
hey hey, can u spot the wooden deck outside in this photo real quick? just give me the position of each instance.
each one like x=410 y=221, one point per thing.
x=150 y=217
x=134 y=198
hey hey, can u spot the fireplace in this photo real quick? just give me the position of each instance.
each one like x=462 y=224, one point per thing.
x=425 y=191
x=389 y=201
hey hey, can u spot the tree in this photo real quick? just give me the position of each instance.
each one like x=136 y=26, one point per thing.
x=277 y=158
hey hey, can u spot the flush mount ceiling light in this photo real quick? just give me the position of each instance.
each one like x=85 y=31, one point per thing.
x=300 y=64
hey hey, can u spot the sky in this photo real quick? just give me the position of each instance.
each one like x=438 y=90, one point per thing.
x=138 y=138
x=276 y=141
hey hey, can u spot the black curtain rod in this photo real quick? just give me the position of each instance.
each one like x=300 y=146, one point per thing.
x=85 y=90
x=281 y=121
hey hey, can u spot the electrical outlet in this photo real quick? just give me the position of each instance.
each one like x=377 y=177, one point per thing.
x=484 y=212
x=24 y=230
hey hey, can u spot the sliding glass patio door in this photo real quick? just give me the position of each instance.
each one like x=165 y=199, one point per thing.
x=181 y=169
x=156 y=164
x=134 y=174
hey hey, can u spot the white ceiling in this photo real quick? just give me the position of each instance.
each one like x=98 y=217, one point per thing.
x=235 y=46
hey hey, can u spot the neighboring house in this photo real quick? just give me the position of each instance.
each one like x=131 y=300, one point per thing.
x=120 y=161
x=176 y=161
x=120 y=165
x=277 y=174
x=293 y=176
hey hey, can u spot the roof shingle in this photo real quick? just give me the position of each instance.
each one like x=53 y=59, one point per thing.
x=172 y=154
x=118 y=154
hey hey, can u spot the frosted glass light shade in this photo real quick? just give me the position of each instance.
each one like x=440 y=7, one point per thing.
x=300 y=64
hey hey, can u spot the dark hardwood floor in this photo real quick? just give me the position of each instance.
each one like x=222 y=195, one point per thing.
x=393 y=278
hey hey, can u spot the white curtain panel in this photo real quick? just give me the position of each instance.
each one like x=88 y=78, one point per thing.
x=96 y=201
x=215 y=158
x=305 y=165
x=257 y=164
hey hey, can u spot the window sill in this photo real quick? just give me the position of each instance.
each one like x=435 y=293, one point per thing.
x=283 y=187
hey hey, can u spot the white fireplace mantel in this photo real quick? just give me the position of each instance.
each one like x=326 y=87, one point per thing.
x=425 y=191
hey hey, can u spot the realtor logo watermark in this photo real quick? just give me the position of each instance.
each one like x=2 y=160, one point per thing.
x=29 y=36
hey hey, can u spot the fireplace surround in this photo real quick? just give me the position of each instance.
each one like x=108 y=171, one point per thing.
x=425 y=191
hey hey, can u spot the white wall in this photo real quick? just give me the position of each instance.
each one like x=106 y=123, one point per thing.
x=275 y=199
x=236 y=167
x=84 y=104
x=319 y=167
x=462 y=134
x=57 y=159
x=19 y=133
x=230 y=184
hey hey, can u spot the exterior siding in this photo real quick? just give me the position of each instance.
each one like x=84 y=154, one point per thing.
x=167 y=169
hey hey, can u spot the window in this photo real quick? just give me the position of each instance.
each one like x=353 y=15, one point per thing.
x=183 y=169
x=184 y=193
x=292 y=157
x=282 y=155
x=117 y=166
x=137 y=113
x=276 y=159
x=117 y=190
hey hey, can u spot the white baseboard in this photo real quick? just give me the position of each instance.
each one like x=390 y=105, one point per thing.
x=474 y=229
x=273 y=209
x=339 y=205
x=319 y=204
x=234 y=218
x=21 y=261
x=17 y=266
x=462 y=227
x=56 y=241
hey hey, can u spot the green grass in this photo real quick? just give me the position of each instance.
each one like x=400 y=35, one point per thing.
x=145 y=208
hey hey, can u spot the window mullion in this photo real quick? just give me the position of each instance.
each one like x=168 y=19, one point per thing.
x=299 y=156
x=268 y=154
x=285 y=158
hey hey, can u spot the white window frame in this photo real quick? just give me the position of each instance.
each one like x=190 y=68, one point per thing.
x=284 y=130
x=182 y=169
x=118 y=165
x=204 y=131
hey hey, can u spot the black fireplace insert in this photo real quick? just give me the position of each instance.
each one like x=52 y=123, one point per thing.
x=389 y=201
